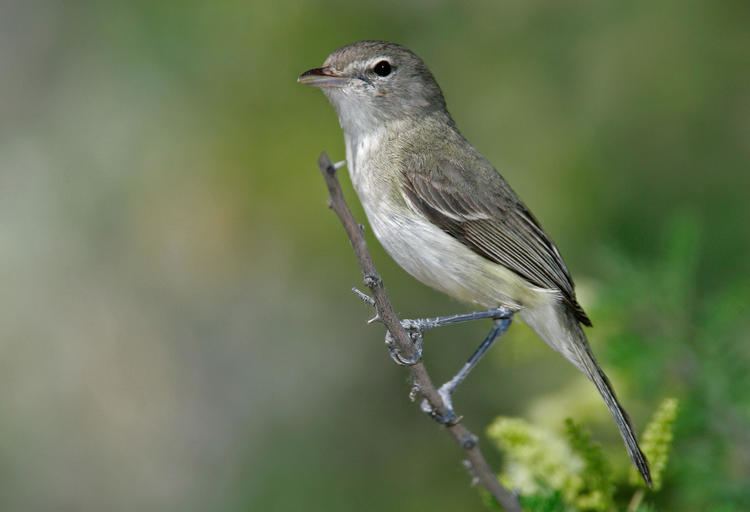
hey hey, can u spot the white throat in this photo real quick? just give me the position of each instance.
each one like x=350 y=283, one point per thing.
x=362 y=146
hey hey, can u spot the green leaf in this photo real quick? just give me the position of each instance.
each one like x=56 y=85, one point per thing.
x=656 y=442
x=545 y=501
x=536 y=459
x=598 y=487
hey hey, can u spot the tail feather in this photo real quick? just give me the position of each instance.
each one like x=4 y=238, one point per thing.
x=558 y=327
x=600 y=380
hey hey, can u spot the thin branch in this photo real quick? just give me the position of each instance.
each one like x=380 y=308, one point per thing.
x=480 y=469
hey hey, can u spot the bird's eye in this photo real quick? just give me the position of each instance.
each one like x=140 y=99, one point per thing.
x=382 y=68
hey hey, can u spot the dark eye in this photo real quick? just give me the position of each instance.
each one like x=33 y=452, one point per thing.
x=382 y=68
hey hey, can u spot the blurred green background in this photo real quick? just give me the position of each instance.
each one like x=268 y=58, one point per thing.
x=176 y=326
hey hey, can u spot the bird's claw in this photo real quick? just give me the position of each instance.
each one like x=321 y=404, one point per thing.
x=415 y=335
x=395 y=353
x=448 y=417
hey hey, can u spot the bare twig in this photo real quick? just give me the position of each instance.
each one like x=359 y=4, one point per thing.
x=475 y=461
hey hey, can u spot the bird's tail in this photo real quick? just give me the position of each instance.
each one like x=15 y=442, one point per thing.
x=562 y=332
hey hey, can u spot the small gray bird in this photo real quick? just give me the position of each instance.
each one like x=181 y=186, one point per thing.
x=444 y=213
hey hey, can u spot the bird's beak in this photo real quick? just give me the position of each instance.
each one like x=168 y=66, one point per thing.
x=322 y=77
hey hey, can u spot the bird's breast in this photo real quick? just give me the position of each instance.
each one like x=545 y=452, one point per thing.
x=416 y=244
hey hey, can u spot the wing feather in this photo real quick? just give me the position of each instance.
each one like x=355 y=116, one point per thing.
x=496 y=226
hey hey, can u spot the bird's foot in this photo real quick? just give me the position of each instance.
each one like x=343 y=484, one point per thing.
x=413 y=328
x=415 y=335
x=448 y=416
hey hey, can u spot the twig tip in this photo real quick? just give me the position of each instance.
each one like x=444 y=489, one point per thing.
x=325 y=164
x=363 y=296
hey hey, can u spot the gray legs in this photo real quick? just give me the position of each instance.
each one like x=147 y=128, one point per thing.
x=446 y=390
x=425 y=324
x=416 y=329
x=501 y=317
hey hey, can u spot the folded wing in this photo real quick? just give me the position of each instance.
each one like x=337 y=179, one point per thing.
x=494 y=224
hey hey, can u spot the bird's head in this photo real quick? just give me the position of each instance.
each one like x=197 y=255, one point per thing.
x=371 y=83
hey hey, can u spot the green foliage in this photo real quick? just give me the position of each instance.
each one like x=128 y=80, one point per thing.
x=569 y=472
x=656 y=441
x=598 y=486
x=544 y=501
x=537 y=460
x=658 y=318
x=686 y=335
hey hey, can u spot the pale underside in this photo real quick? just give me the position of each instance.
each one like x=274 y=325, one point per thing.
x=424 y=250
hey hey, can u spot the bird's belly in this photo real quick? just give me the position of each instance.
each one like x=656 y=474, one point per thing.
x=424 y=250
x=442 y=262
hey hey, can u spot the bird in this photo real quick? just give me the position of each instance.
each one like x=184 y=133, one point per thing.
x=445 y=214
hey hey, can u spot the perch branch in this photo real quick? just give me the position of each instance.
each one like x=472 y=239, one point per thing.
x=481 y=471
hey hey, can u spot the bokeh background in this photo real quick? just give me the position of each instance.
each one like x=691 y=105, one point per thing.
x=176 y=326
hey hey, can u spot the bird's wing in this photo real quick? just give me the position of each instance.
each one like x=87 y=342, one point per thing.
x=494 y=224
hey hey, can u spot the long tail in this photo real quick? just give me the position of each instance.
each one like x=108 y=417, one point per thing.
x=562 y=332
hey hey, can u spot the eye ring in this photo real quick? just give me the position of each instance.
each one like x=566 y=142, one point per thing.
x=382 y=68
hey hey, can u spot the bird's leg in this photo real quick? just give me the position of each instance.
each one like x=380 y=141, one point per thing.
x=417 y=327
x=425 y=324
x=446 y=390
